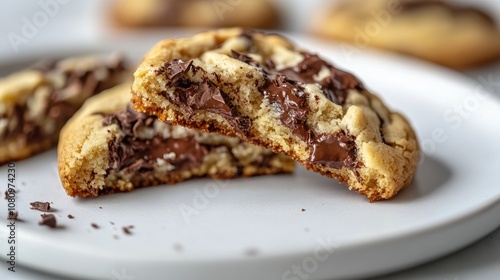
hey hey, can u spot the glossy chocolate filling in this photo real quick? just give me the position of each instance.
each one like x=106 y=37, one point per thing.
x=284 y=88
x=200 y=96
x=133 y=153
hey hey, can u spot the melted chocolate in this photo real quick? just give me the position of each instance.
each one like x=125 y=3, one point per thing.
x=335 y=87
x=290 y=98
x=333 y=150
x=133 y=154
x=201 y=96
x=284 y=89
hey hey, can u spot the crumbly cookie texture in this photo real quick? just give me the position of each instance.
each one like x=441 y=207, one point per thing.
x=441 y=32
x=35 y=103
x=195 y=13
x=264 y=90
x=107 y=147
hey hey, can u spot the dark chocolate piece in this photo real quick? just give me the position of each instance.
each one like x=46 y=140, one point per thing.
x=41 y=206
x=204 y=95
x=133 y=154
x=333 y=150
x=127 y=230
x=291 y=99
x=335 y=87
x=283 y=88
x=48 y=220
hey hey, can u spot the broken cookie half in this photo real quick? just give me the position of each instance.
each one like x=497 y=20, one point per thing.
x=265 y=90
x=108 y=147
x=35 y=103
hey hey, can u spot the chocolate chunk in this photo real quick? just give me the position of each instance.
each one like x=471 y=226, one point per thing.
x=38 y=205
x=174 y=68
x=335 y=87
x=127 y=230
x=244 y=58
x=12 y=215
x=48 y=220
x=135 y=155
x=284 y=90
x=204 y=95
x=333 y=150
x=292 y=103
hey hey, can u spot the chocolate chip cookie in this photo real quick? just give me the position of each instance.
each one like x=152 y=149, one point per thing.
x=108 y=147
x=196 y=13
x=265 y=90
x=37 y=102
x=441 y=32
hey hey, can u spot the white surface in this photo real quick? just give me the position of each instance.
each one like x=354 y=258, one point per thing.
x=255 y=229
x=75 y=25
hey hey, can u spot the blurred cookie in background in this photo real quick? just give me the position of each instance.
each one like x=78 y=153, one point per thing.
x=441 y=32
x=195 y=13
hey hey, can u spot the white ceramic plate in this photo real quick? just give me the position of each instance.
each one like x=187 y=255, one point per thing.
x=256 y=228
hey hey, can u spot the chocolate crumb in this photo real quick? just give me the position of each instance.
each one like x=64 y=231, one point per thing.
x=71 y=216
x=12 y=215
x=111 y=223
x=41 y=206
x=126 y=230
x=6 y=195
x=303 y=210
x=100 y=207
x=48 y=220
x=94 y=225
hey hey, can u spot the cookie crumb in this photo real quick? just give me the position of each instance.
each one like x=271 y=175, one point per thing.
x=39 y=205
x=48 y=220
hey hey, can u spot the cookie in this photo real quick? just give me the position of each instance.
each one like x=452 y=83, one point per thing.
x=35 y=103
x=195 y=13
x=107 y=147
x=444 y=33
x=265 y=90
